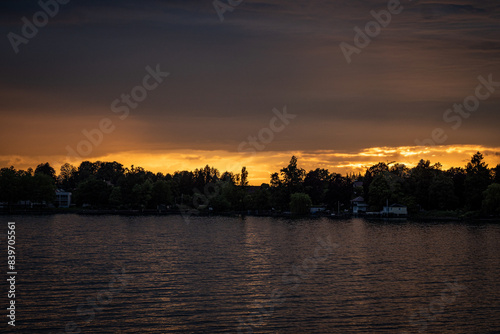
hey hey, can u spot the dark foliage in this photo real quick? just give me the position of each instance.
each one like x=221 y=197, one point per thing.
x=109 y=185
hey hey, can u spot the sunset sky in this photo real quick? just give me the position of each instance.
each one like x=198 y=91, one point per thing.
x=226 y=78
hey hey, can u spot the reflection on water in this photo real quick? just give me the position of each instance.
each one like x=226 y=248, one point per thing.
x=113 y=274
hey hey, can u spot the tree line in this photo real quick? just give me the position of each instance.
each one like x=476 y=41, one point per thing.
x=110 y=185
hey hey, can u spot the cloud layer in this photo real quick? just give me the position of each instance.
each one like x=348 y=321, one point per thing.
x=226 y=77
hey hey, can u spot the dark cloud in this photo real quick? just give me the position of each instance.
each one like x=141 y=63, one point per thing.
x=226 y=77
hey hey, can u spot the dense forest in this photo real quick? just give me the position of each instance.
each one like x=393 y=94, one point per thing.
x=108 y=185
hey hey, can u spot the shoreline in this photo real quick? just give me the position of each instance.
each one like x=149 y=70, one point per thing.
x=414 y=218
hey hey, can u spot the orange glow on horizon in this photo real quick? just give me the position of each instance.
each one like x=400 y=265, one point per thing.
x=261 y=165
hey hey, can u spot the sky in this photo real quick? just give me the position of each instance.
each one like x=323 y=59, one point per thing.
x=176 y=85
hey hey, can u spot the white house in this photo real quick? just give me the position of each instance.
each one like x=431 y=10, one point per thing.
x=317 y=209
x=395 y=210
x=63 y=198
x=359 y=205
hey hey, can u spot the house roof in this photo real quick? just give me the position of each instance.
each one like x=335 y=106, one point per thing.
x=358 y=199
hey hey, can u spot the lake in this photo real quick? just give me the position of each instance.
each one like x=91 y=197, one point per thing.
x=164 y=274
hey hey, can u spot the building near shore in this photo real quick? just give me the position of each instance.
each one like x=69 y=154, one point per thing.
x=63 y=199
x=395 y=210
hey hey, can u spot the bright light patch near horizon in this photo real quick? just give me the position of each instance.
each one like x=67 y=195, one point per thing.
x=261 y=165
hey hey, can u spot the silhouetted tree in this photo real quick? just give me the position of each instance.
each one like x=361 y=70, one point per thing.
x=442 y=193
x=86 y=170
x=370 y=174
x=115 y=197
x=184 y=183
x=110 y=172
x=397 y=184
x=400 y=170
x=316 y=185
x=204 y=176
x=227 y=197
x=230 y=177
x=66 y=178
x=380 y=192
x=142 y=194
x=46 y=169
x=44 y=189
x=261 y=199
x=457 y=175
x=496 y=174
x=161 y=193
x=293 y=176
x=275 y=180
x=134 y=178
x=22 y=185
x=420 y=181
x=476 y=181
x=10 y=186
x=339 y=191
x=491 y=202
x=26 y=184
x=244 y=177
x=279 y=197
x=93 y=192
x=300 y=203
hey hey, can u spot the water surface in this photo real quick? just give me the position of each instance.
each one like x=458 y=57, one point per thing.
x=160 y=274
